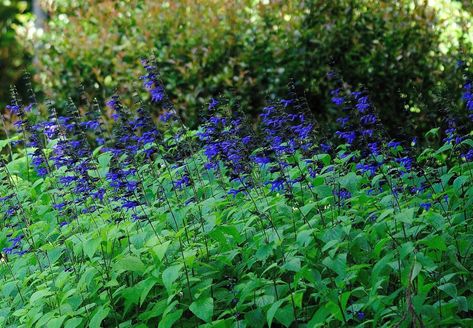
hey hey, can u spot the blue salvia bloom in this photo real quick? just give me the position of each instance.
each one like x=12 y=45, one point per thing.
x=394 y=144
x=343 y=121
x=15 y=247
x=342 y=195
x=337 y=99
x=362 y=103
x=224 y=140
x=367 y=168
x=368 y=119
x=373 y=147
x=468 y=97
x=468 y=156
x=348 y=136
x=426 y=206
x=182 y=182
x=405 y=161
x=277 y=184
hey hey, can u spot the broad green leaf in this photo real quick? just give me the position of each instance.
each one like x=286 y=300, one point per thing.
x=203 y=308
x=148 y=284
x=272 y=311
x=98 y=317
x=73 y=323
x=170 y=275
x=40 y=295
x=91 y=245
x=169 y=319
x=131 y=263
x=56 y=322
x=160 y=250
x=449 y=288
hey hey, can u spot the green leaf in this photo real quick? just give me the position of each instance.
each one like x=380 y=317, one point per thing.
x=416 y=270
x=307 y=208
x=98 y=317
x=459 y=182
x=264 y=251
x=56 y=322
x=91 y=245
x=337 y=264
x=293 y=264
x=272 y=311
x=104 y=159
x=323 y=191
x=148 y=284
x=450 y=289
x=319 y=317
x=435 y=242
x=169 y=319
x=160 y=250
x=285 y=315
x=350 y=181
x=40 y=295
x=170 y=275
x=131 y=263
x=433 y=132
x=379 y=266
x=73 y=323
x=406 y=215
x=203 y=308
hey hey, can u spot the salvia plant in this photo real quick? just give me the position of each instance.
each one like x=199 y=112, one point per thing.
x=113 y=219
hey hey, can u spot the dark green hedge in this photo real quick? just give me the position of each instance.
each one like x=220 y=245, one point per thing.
x=253 y=48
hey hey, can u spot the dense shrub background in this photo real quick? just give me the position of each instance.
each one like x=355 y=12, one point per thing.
x=394 y=48
x=13 y=58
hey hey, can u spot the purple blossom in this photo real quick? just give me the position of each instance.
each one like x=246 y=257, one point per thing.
x=426 y=206
x=277 y=184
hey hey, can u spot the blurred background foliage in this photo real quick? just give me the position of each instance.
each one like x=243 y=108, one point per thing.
x=13 y=58
x=403 y=51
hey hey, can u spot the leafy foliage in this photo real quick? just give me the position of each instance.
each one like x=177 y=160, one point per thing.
x=13 y=57
x=256 y=47
x=137 y=224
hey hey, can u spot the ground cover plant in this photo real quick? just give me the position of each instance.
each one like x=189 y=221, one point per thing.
x=137 y=223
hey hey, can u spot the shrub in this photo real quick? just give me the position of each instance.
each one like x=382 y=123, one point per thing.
x=248 y=48
x=13 y=58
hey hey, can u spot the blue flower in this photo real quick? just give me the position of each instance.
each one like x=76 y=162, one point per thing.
x=92 y=125
x=426 y=206
x=213 y=103
x=157 y=94
x=325 y=147
x=262 y=160
x=14 y=109
x=348 y=136
x=360 y=315
x=368 y=119
x=286 y=102
x=373 y=147
x=277 y=184
x=166 y=116
x=343 y=194
x=338 y=100
x=183 y=182
x=406 y=162
x=129 y=204
x=362 y=105
x=468 y=156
